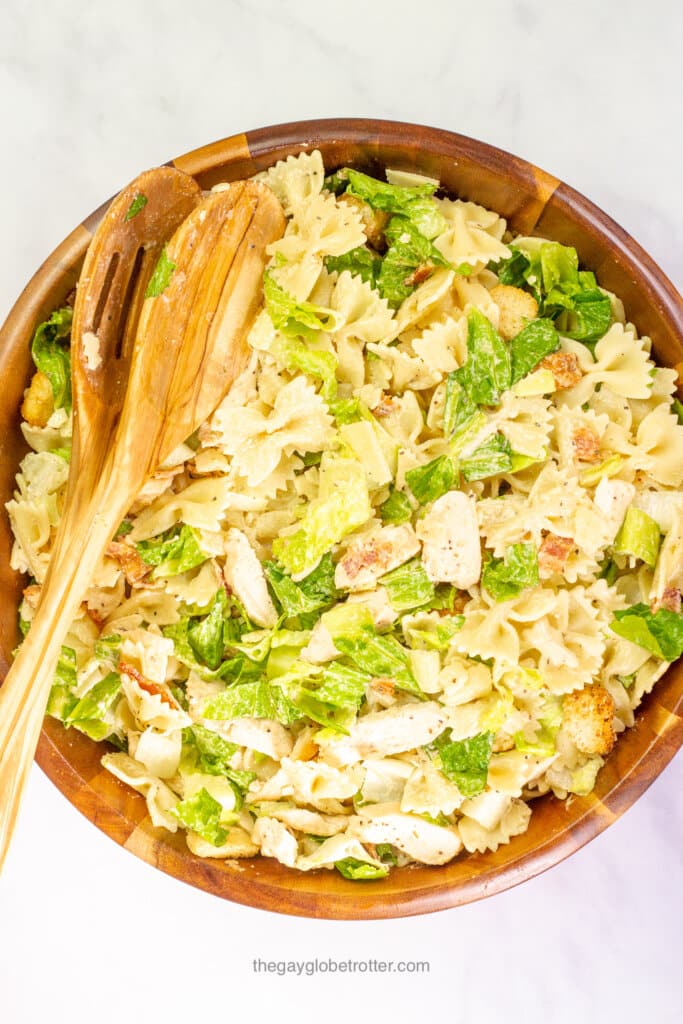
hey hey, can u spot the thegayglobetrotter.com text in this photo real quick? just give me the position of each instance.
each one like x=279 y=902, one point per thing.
x=330 y=965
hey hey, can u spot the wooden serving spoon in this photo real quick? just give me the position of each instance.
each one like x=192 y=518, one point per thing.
x=189 y=346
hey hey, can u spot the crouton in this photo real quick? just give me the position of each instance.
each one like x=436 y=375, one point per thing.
x=553 y=553
x=374 y=221
x=39 y=401
x=564 y=367
x=516 y=307
x=587 y=716
x=586 y=445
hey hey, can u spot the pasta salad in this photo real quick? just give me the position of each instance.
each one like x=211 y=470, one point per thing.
x=418 y=568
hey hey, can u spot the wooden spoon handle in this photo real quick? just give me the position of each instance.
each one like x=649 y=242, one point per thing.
x=85 y=533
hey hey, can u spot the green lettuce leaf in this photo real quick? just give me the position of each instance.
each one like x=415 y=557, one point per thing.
x=207 y=752
x=535 y=341
x=259 y=699
x=360 y=871
x=160 y=279
x=397 y=508
x=175 y=551
x=512 y=270
x=202 y=814
x=660 y=632
x=568 y=295
x=342 y=506
x=429 y=482
x=293 y=318
x=313 y=593
x=360 y=262
x=464 y=762
x=487 y=374
x=206 y=635
x=138 y=203
x=410 y=258
x=492 y=457
x=414 y=203
x=379 y=656
x=335 y=702
x=505 y=578
x=435 y=638
x=88 y=715
x=408 y=586
x=297 y=356
x=61 y=700
x=639 y=535
x=51 y=355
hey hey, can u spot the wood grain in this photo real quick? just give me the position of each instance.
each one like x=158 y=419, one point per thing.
x=533 y=202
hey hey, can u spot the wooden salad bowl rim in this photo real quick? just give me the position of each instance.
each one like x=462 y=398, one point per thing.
x=533 y=202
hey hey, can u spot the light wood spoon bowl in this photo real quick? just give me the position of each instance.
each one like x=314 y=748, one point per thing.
x=189 y=346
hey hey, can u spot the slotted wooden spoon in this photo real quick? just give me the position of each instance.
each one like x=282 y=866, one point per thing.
x=189 y=346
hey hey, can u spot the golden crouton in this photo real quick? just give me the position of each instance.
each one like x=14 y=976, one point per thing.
x=587 y=719
x=516 y=309
x=374 y=221
x=564 y=367
x=39 y=401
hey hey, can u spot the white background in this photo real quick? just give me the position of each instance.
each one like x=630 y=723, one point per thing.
x=92 y=93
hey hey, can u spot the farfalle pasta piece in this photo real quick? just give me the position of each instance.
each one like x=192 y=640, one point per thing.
x=473 y=235
x=477 y=839
x=257 y=439
x=160 y=798
x=321 y=227
x=660 y=447
x=622 y=363
x=296 y=180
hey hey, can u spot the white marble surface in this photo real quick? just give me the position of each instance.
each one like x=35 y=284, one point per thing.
x=89 y=95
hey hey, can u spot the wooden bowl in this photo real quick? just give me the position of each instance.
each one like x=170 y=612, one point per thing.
x=533 y=202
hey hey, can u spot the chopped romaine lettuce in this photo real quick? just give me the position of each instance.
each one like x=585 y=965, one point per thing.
x=138 y=203
x=89 y=713
x=62 y=700
x=429 y=482
x=296 y=355
x=464 y=762
x=206 y=635
x=175 y=551
x=487 y=372
x=408 y=586
x=293 y=318
x=207 y=752
x=259 y=699
x=160 y=279
x=343 y=505
x=50 y=354
x=492 y=457
x=512 y=270
x=200 y=813
x=535 y=341
x=640 y=536
x=397 y=508
x=380 y=656
x=313 y=593
x=506 y=578
x=360 y=262
x=414 y=203
x=360 y=871
x=411 y=258
x=659 y=632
